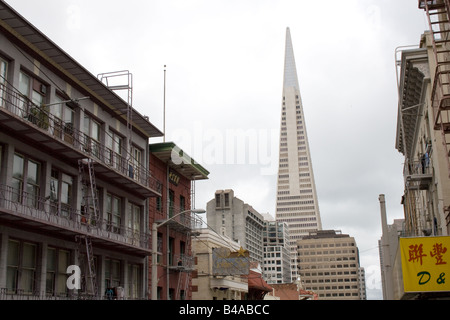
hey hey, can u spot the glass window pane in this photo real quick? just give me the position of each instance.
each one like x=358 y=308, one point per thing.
x=51 y=259
x=13 y=253
x=63 y=261
x=3 y=69
x=24 y=84
x=86 y=124
x=29 y=255
x=37 y=98
x=27 y=280
x=66 y=190
x=108 y=203
x=56 y=109
x=18 y=167
x=33 y=172
x=68 y=115
x=95 y=134
x=116 y=205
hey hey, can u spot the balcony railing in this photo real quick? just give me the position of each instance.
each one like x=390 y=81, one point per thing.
x=186 y=221
x=5 y=294
x=36 y=208
x=418 y=174
x=40 y=117
x=422 y=167
x=181 y=262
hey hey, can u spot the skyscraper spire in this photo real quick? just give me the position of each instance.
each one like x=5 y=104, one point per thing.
x=290 y=70
x=297 y=202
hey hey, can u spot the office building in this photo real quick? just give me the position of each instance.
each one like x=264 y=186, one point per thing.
x=297 y=202
x=229 y=215
x=277 y=254
x=328 y=264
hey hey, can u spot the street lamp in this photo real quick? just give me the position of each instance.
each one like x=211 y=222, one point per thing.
x=155 y=227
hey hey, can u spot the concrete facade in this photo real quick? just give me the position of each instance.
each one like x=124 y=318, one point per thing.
x=229 y=215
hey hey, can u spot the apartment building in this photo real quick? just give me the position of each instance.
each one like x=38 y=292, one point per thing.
x=328 y=264
x=74 y=176
x=230 y=215
x=174 y=220
x=426 y=199
x=277 y=257
x=423 y=137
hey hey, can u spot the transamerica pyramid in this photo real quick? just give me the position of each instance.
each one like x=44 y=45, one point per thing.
x=297 y=202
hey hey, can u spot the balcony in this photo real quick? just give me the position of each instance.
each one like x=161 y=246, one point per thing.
x=181 y=262
x=40 y=215
x=35 y=125
x=187 y=222
x=418 y=174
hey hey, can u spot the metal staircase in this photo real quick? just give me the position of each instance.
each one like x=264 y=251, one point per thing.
x=438 y=16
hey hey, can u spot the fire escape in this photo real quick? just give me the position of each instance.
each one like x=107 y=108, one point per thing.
x=438 y=16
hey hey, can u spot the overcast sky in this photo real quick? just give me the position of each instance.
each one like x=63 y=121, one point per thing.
x=224 y=84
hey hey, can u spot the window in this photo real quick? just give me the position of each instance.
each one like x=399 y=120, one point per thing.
x=134 y=273
x=135 y=165
x=57 y=263
x=227 y=199
x=3 y=77
x=182 y=204
x=26 y=174
x=35 y=91
x=159 y=204
x=61 y=192
x=21 y=267
x=114 y=144
x=63 y=120
x=113 y=211
x=171 y=203
x=112 y=273
x=92 y=135
x=134 y=221
x=218 y=200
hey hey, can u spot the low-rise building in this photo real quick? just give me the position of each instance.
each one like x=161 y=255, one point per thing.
x=176 y=173
x=205 y=284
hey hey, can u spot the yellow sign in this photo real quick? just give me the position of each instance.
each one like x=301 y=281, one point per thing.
x=425 y=264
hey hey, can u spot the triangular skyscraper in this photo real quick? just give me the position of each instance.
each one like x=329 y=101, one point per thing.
x=297 y=202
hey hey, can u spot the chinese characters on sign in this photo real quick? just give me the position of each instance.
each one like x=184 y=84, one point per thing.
x=425 y=264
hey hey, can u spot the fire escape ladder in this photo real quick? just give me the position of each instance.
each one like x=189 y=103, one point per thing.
x=438 y=16
x=91 y=214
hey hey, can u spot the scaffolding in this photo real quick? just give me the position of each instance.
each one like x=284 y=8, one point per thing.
x=122 y=82
x=438 y=16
